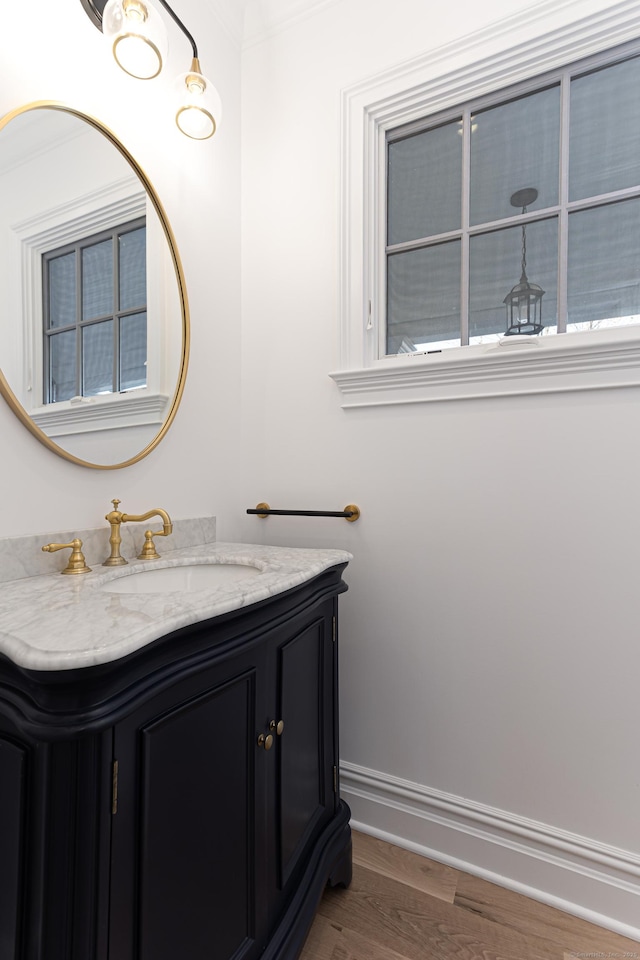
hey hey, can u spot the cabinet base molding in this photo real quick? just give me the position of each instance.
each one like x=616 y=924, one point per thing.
x=578 y=875
x=330 y=864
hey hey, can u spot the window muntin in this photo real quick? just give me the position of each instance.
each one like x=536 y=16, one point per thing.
x=94 y=309
x=522 y=141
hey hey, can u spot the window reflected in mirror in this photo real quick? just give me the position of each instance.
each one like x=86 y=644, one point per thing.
x=95 y=328
x=95 y=314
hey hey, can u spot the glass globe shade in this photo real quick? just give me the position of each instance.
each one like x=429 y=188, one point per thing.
x=137 y=35
x=199 y=108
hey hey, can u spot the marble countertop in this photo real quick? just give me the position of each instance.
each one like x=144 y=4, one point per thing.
x=55 y=622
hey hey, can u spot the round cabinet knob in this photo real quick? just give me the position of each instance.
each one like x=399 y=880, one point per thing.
x=277 y=727
x=265 y=741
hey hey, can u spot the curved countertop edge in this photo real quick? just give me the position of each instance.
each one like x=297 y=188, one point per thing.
x=57 y=622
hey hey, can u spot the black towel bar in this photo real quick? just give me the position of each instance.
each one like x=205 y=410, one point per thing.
x=351 y=512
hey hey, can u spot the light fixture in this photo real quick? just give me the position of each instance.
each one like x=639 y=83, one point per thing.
x=139 y=43
x=199 y=108
x=524 y=301
x=137 y=36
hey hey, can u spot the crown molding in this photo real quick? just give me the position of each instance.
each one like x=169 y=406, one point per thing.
x=266 y=18
x=230 y=16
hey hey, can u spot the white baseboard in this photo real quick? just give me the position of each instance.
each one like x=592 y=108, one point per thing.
x=592 y=880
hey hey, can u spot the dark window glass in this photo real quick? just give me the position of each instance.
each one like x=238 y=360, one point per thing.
x=100 y=299
x=62 y=366
x=97 y=279
x=423 y=298
x=604 y=145
x=133 y=269
x=603 y=274
x=514 y=145
x=561 y=163
x=424 y=184
x=97 y=358
x=133 y=351
x=62 y=291
x=495 y=266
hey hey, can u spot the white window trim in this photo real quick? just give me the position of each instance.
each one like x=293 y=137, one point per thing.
x=111 y=412
x=525 y=45
x=102 y=209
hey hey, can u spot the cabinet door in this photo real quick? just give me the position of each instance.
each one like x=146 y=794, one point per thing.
x=13 y=762
x=185 y=856
x=305 y=691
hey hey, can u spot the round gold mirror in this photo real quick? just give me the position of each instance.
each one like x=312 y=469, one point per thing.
x=94 y=324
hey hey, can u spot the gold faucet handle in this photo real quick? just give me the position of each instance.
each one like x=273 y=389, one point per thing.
x=77 y=562
x=149 y=551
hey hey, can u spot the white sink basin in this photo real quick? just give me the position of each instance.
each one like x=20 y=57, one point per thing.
x=185 y=579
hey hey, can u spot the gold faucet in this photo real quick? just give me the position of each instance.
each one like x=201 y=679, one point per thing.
x=115 y=518
x=77 y=562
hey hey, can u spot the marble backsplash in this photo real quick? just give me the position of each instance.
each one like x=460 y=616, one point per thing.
x=22 y=557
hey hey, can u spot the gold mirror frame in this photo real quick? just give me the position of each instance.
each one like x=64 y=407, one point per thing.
x=6 y=390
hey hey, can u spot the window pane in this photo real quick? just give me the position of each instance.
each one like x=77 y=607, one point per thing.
x=97 y=280
x=604 y=142
x=133 y=269
x=62 y=291
x=423 y=298
x=424 y=184
x=514 y=146
x=603 y=280
x=133 y=351
x=495 y=266
x=97 y=358
x=62 y=366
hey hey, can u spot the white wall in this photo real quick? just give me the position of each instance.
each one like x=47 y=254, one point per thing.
x=63 y=57
x=488 y=642
x=489 y=654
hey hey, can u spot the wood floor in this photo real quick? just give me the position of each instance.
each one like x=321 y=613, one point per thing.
x=401 y=906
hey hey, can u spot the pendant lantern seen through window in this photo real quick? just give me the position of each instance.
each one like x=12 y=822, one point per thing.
x=524 y=300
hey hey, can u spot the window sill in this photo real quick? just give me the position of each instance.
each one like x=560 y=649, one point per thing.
x=112 y=412
x=563 y=363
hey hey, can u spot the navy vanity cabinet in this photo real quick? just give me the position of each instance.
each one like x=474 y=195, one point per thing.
x=181 y=801
x=227 y=797
x=54 y=826
x=304 y=771
x=184 y=852
x=13 y=789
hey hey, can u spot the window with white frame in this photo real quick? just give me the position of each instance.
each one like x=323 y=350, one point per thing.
x=107 y=295
x=517 y=214
x=95 y=314
x=477 y=168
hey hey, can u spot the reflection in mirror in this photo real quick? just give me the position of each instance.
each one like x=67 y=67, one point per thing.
x=94 y=321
